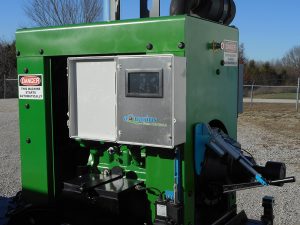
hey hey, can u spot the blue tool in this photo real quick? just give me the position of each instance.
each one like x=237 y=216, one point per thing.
x=222 y=145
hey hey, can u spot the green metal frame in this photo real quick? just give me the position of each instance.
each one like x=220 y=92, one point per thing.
x=209 y=96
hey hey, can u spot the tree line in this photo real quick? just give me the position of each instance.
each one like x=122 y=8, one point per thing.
x=284 y=71
x=8 y=70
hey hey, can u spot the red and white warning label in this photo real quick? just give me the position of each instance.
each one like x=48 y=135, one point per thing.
x=31 y=87
x=231 y=50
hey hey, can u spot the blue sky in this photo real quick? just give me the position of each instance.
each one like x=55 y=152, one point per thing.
x=268 y=28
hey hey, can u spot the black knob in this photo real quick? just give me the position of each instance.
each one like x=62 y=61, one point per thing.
x=181 y=45
x=28 y=140
x=26 y=70
x=275 y=171
x=149 y=46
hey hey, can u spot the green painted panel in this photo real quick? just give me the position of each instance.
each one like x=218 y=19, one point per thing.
x=209 y=96
x=104 y=38
x=159 y=175
x=35 y=157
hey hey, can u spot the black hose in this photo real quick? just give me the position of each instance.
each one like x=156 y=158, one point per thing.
x=177 y=7
x=221 y=11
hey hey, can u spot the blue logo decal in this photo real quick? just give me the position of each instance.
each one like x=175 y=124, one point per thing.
x=143 y=120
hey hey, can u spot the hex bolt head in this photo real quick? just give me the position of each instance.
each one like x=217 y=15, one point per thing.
x=218 y=71
x=28 y=140
x=181 y=45
x=111 y=150
x=26 y=70
x=41 y=51
x=149 y=46
x=18 y=53
x=27 y=106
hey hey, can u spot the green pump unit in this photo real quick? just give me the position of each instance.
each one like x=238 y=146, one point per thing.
x=135 y=121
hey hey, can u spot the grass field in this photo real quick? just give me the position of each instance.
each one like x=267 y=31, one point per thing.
x=281 y=118
x=276 y=96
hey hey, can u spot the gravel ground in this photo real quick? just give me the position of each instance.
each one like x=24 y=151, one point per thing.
x=269 y=133
x=10 y=181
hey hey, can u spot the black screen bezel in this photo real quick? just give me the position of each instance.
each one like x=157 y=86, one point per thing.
x=145 y=95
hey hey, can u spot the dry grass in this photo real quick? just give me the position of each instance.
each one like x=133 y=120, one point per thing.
x=280 y=118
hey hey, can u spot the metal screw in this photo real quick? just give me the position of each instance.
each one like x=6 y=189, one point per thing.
x=181 y=45
x=28 y=140
x=218 y=72
x=27 y=106
x=18 y=53
x=149 y=46
x=41 y=51
x=26 y=70
x=111 y=150
x=107 y=172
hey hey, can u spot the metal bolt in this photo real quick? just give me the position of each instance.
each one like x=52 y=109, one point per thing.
x=218 y=72
x=107 y=172
x=181 y=45
x=18 y=53
x=111 y=150
x=28 y=140
x=27 y=106
x=149 y=46
x=41 y=51
x=26 y=70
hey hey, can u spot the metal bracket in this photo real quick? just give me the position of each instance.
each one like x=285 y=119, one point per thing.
x=115 y=10
x=155 y=9
x=201 y=139
x=268 y=204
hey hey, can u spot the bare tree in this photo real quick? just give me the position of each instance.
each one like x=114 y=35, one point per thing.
x=61 y=12
x=8 y=69
x=292 y=61
x=242 y=55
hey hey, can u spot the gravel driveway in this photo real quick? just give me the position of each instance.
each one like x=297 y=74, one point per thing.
x=271 y=133
x=267 y=135
x=10 y=181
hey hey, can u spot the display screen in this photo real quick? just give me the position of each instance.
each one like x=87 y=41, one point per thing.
x=144 y=84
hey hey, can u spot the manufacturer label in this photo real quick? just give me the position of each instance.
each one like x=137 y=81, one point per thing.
x=161 y=210
x=231 y=50
x=31 y=87
x=143 y=120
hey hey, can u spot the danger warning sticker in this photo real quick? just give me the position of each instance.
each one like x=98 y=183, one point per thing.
x=231 y=50
x=31 y=87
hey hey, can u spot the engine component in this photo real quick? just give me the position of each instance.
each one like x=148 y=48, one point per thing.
x=222 y=11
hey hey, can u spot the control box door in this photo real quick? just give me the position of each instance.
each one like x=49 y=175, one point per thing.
x=92 y=98
x=145 y=100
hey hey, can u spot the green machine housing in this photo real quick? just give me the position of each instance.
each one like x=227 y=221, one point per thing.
x=91 y=175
